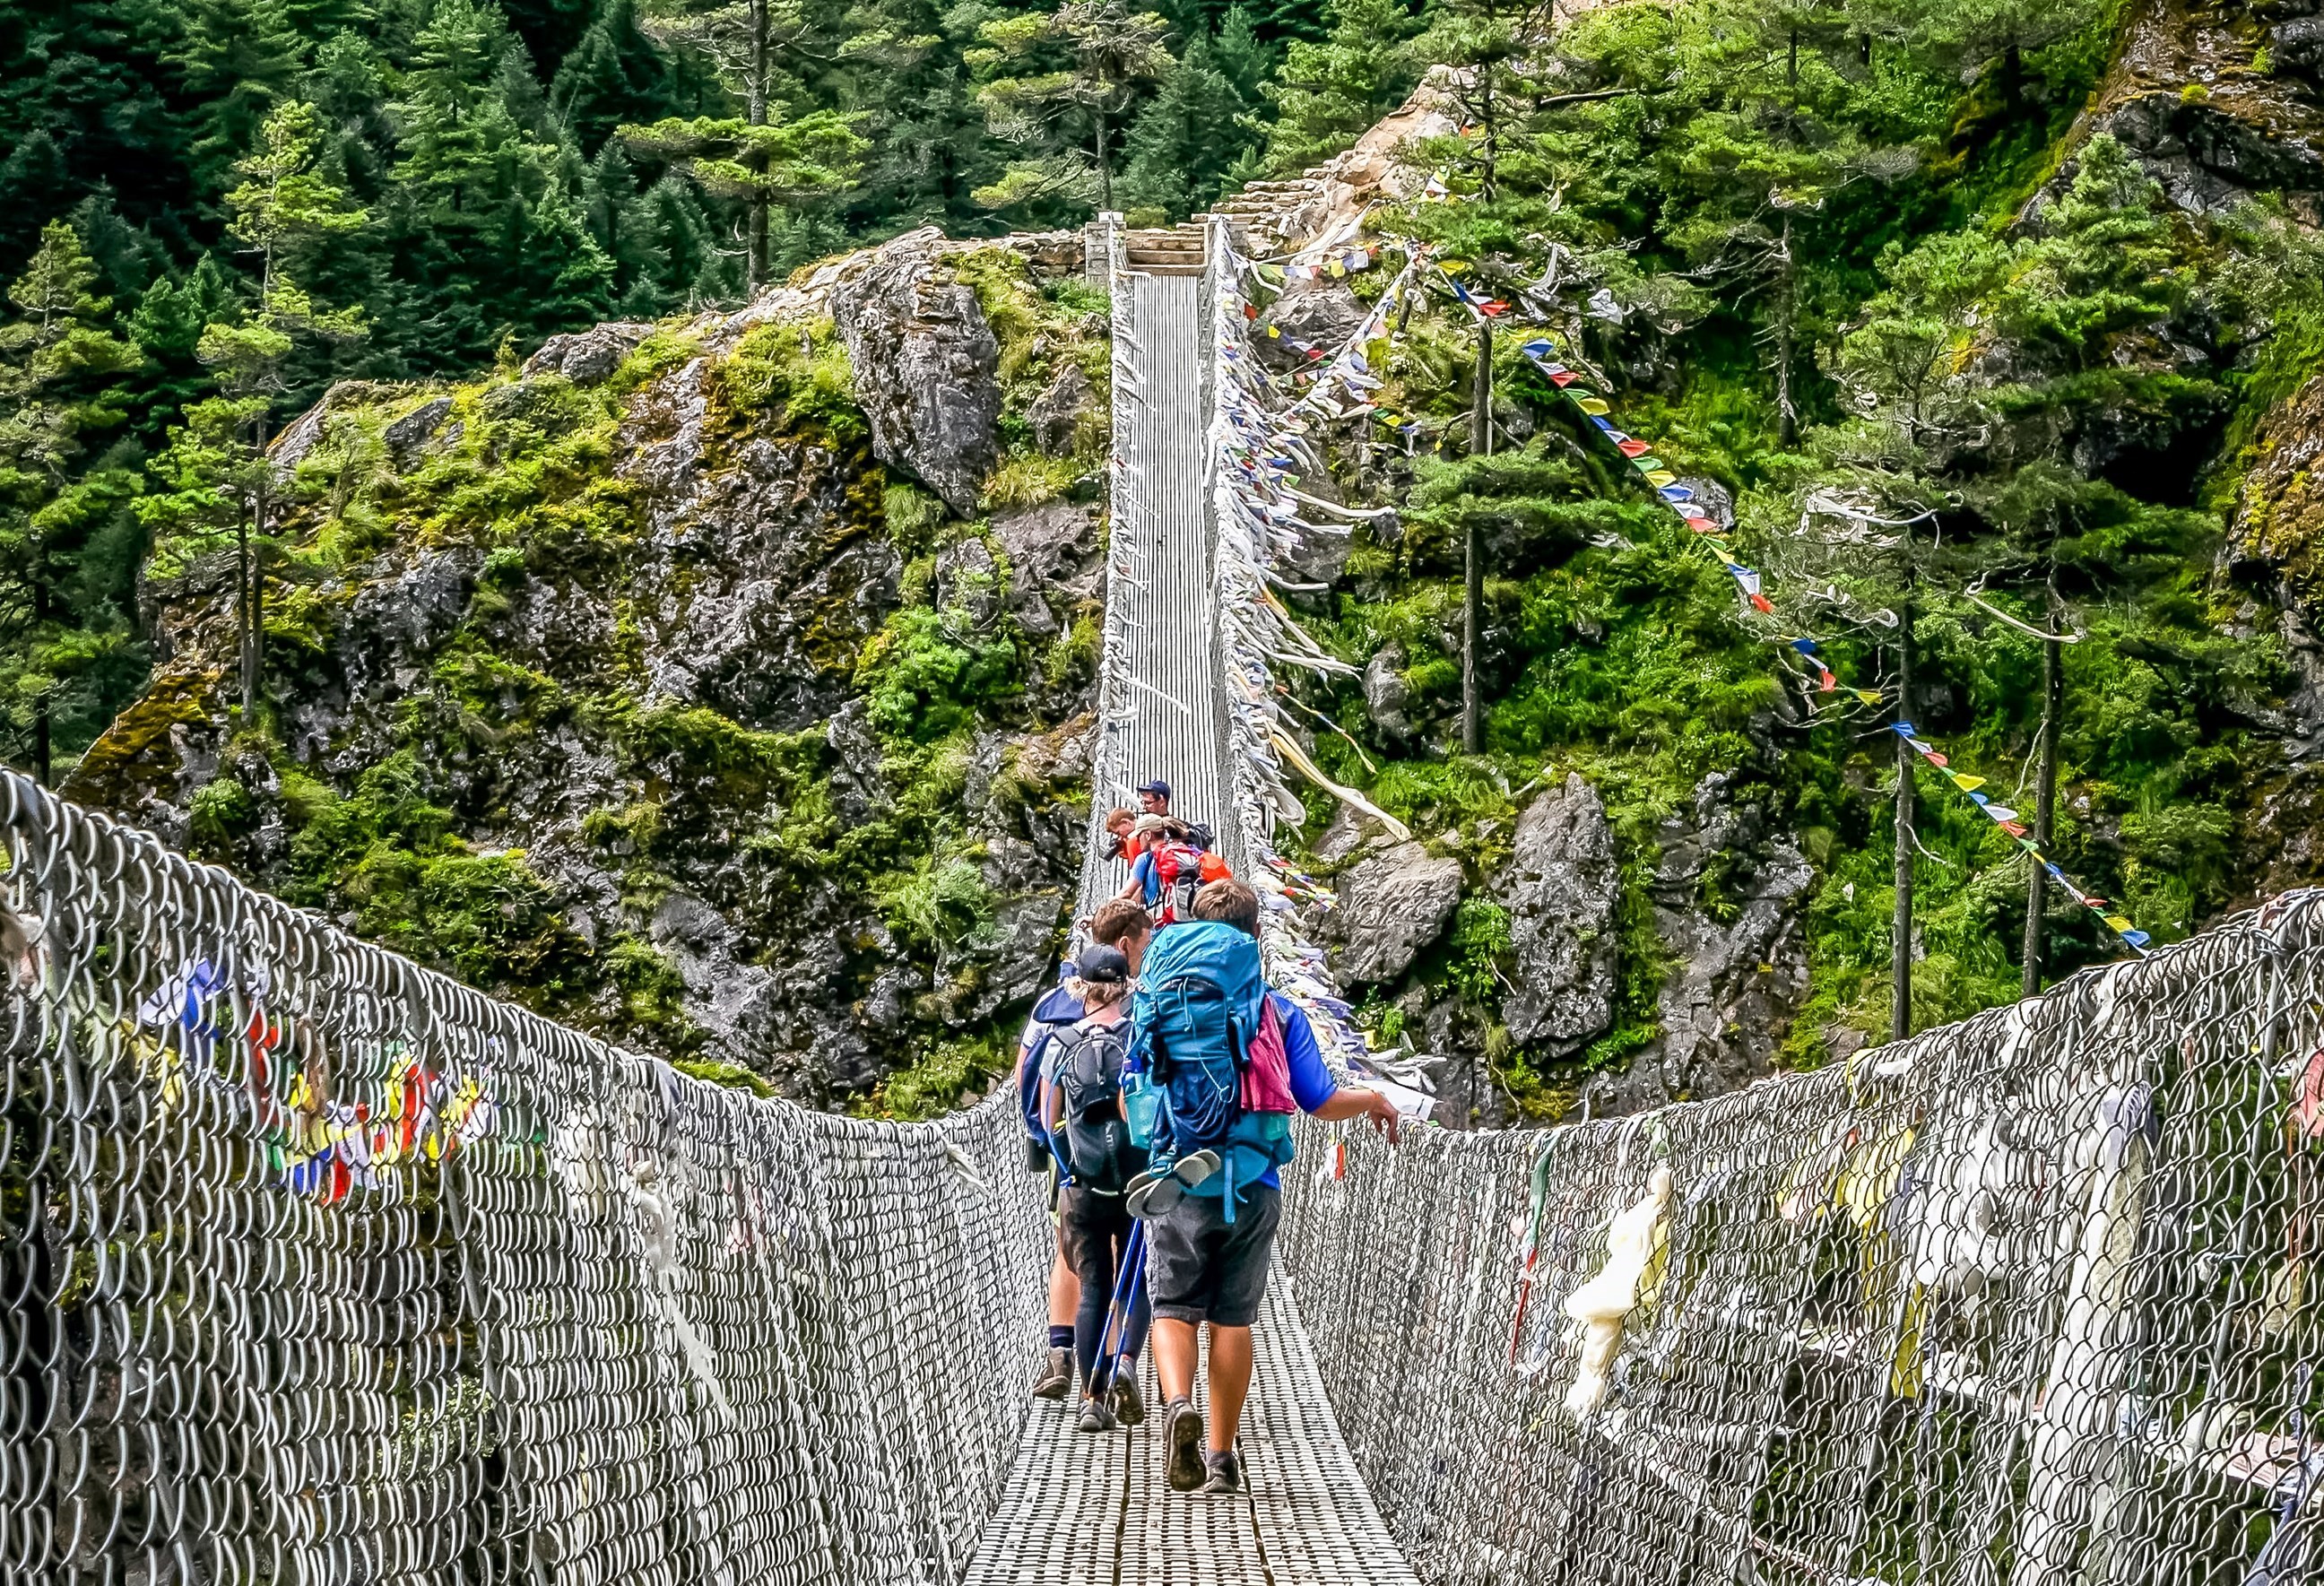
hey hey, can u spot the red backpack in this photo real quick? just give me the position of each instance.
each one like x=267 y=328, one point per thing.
x=1178 y=872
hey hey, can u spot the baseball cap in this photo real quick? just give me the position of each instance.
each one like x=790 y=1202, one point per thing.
x=1103 y=967
x=1157 y=786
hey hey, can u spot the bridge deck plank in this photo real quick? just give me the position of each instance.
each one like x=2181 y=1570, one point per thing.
x=1086 y=1510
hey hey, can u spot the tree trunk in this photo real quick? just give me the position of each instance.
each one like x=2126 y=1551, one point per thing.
x=1787 y=423
x=761 y=68
x=241 y=603
x=254 y=604
x=43 y=762
x=2045 y=801
x=1900 y=1006
x=1480 y=444
x=1104 y=167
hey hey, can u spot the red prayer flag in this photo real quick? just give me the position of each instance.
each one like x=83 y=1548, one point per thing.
x=1632 y=448
x=1563 y=378
x=1759 y=601
x=1938 y=761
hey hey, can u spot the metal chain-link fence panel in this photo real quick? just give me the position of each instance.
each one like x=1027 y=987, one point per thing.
x=319 y=1269
x=2030 y=1299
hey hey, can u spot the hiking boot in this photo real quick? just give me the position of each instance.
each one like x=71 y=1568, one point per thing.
x=1127 y=1405
x=1156 y=1190
x=1057 y=1375
x=1182 y=1437
x=1225 y=1475
x=1095 y=1417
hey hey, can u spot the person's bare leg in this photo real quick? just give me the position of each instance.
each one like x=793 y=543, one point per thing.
x=1230 y=1381
x=1177 y=1352
x=1065 y=1291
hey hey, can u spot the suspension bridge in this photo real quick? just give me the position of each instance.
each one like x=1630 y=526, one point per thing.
x=316 y=1268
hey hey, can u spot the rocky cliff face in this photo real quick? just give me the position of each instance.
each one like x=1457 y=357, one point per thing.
x=722 y=684
x=2221 y=100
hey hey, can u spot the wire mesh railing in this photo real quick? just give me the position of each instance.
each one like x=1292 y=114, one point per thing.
x=2027 y=1299
x=316 y=1268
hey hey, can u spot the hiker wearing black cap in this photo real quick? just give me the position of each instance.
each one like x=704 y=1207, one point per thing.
x=1082 y=1067
x=1154 y=796
x=1117 y=925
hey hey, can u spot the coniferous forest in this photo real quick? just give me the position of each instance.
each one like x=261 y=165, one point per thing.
x=1985 y=322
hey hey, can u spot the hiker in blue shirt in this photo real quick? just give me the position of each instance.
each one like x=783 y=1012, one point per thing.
x=1206 y=1263
x=1125 y=927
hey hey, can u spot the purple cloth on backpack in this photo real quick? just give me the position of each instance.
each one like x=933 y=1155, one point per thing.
x=1267 y=1067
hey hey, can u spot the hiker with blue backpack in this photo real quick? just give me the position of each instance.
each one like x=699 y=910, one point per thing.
x=1124 y=928
x=1084 y=1066
x=1219 y=1062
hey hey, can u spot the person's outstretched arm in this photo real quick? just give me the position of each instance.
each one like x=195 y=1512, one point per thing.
x=1357 y=1101
x=1312 y=1085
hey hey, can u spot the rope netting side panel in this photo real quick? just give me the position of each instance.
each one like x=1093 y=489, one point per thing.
x=318 y=1267
x=2025 y=1300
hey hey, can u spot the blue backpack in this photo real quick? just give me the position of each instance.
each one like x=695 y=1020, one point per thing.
x=1197 y=1006
x=1058 y=1009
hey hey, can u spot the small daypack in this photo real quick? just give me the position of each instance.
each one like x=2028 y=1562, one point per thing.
x=1178 y=872
x=1085 y=1064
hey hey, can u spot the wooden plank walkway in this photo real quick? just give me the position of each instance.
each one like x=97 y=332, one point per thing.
x=1090 y=1510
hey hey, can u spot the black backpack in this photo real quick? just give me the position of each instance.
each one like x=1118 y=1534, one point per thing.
x=1085 y=1062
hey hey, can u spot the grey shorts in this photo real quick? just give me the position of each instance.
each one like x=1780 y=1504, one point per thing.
x=1200 y=1267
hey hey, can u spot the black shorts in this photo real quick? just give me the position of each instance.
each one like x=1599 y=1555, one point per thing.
x=1203 y=1269
x=1092 y=1229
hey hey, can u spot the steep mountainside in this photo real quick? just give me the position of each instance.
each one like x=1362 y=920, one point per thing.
x=721 y=684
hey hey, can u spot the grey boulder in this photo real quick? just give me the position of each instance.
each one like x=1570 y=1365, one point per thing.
x=1561 y=889
x=927 y=368
x=1392 y=906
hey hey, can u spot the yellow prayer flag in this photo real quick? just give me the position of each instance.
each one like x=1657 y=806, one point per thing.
x=2117 y=922
x=1966 y=784
x=1592 y=405
x=1660 y=477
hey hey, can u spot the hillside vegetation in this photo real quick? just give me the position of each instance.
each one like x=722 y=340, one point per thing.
x=690 y=679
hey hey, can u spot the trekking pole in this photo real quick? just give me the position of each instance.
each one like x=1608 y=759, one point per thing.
x=1126 y=1285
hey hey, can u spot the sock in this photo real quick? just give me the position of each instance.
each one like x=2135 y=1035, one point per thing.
x=1061 y=1337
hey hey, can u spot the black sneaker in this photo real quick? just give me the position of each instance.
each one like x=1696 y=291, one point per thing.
x=1057 y=1375
x=1182 y=1438
x=1095 y=1417
x=1225 y=1475
x=1127 y=1404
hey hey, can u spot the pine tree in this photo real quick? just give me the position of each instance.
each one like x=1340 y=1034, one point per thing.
x=1187 y=138
x=282 y=210
x=1050 y=81
x=929 y=146
x=1329 y=93
x=62 y=380
x=239 y=59
x=613 y=75
x=767 y=166
x=765 y=158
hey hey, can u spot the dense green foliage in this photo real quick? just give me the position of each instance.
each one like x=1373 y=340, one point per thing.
x=1823 y=270
x=1839 y=256
x=268 y=196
